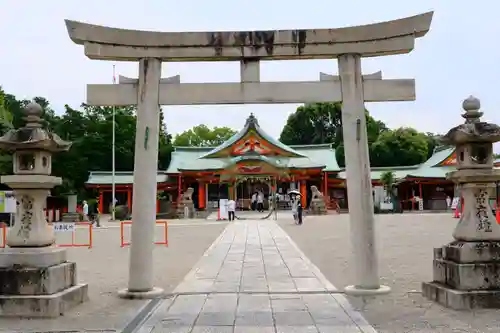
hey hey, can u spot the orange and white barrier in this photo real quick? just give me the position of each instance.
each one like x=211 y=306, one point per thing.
x=124 y=243
x=60 y=227
x=219 y=218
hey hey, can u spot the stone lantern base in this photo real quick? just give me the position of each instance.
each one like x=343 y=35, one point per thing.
x=38 y=282
x=466 y=276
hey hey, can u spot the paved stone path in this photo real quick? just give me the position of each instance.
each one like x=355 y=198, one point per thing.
x=255 y=279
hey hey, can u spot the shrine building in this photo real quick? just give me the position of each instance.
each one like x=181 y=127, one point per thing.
x=252 y=160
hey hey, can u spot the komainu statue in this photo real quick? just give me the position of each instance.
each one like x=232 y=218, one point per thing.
x=317 y=206
x=185 y=209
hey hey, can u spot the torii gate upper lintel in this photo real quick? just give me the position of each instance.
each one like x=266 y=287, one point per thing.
x=149 y=91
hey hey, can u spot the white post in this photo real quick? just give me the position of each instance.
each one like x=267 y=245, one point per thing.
x=113 y=186
x=359 y=189
x=140 y=283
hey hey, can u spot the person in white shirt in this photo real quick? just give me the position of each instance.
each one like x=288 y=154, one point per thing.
x=85 y=211
x=260 y=201
x=231 y=208
x=254 y=201
x=293 y=202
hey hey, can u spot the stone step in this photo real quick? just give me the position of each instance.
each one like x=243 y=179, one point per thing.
x=37 y=280
x=50 y=306
x=461 y=299
x=465 y=276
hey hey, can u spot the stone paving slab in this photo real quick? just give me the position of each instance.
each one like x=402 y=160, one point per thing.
x=255 y=279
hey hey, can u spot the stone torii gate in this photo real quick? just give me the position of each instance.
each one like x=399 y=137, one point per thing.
x=149 y=91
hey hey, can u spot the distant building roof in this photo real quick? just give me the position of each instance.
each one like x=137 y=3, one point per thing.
x=251 y=125
x=121 y=177
x=312 y=156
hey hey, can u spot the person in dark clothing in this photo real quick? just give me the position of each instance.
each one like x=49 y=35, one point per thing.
x=94 y=217
x=299 y=209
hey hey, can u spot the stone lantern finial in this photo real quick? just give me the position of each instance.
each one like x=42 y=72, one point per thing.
x=33 y=112
x=471 y=105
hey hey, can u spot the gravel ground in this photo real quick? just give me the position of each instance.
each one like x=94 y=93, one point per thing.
x=405 y=245
x=105 y=269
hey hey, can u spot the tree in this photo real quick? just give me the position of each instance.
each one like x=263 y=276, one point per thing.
x=165 y=144
x=387 y=179
x=90 y=130
x=314 y=123
x=403 y=146
x=318 y=123
x=5 y=125
x=202 y=136
x=433 y=141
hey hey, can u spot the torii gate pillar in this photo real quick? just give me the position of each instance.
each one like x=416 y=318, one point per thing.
x=140 y=284
x=359 y=192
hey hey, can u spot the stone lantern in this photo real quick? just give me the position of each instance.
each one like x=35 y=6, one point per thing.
x=36 y=280
x=467 y=271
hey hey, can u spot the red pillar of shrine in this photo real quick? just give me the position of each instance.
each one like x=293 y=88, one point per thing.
x=303 y=193
x=129 y=199
x=201 y=195
x=179 y=186
x=101 y=201
x=325 y=184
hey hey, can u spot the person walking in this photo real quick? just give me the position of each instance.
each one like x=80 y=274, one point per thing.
x=299 y=209
x=260 y=201
x=95 y=218
x=231 y=208
x=253 y=204
x=293 y=202
x=85 y=211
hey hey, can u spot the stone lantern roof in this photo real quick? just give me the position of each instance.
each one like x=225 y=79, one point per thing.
x=32 y=136
x=473 y=130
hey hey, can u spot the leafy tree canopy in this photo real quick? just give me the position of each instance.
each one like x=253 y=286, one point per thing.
x=402 y=146
x=90 y=130
x=202 y=136
x=322 y=123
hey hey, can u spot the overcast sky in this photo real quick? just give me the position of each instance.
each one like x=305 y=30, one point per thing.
x=460 y=55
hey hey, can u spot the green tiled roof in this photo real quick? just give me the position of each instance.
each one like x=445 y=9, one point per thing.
x=428 y=169
x=376 y=173
x=431 y=168
x=251 y=124
x=433 y=172
x=121 y=177
x=315 y=156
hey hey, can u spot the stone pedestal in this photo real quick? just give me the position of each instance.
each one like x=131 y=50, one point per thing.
x=317 y=205
x=38 y=283
x=71 y=215
x=185 y=209
x=30 y=228
x=466 y=275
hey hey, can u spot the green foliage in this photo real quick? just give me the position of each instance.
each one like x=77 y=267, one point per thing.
x=314 y=124
x=322 y=123
x=202 y=136
x=387 y=178
x=90 y=130
x=121 y=212
x=402 y=146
